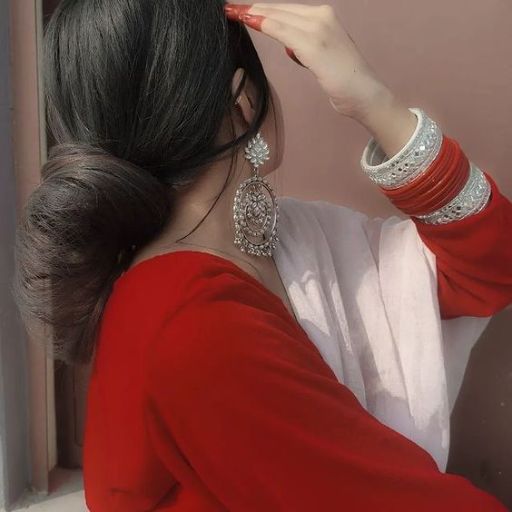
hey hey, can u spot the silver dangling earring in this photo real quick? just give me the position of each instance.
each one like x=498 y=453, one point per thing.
x=255 y=209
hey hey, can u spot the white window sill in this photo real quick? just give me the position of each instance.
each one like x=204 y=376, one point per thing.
x=67 y=495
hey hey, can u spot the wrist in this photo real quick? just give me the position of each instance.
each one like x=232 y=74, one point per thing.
x=430 y=177
x=378 y=100
x=362 y=97
x=388 y=120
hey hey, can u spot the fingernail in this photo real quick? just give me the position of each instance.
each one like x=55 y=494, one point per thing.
x=252 y=20
x=242 y=9
x=237 y=9
x=292 y=56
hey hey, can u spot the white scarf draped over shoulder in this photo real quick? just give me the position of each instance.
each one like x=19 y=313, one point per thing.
x=365 y=291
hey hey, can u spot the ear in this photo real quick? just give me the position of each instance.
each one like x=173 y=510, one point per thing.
x=243 y=101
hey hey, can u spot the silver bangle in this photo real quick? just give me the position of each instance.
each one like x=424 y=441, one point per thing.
x=411 y=161
x=472 y=199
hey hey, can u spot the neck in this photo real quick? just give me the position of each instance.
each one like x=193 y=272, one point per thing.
x=191 y=206
x=216 y=231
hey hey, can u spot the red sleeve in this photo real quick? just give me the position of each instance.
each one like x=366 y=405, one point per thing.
x=262 y=420
x=473 y=259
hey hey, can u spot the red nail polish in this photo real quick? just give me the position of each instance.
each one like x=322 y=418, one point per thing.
x=252 y=20
x=292 y=56
x=242 y=9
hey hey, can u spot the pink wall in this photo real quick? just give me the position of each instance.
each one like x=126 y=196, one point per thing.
x=453 y=60
x=28 y=150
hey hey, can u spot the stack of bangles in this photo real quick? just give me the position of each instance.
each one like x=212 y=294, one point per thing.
x=430 y=178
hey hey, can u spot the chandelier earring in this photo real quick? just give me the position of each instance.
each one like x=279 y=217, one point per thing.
x=255 y=208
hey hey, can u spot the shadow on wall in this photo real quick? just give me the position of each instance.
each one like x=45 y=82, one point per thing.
x=481 y=447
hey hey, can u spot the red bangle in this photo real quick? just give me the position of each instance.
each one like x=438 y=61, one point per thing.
x=451 y=188
x=447 y=193
x=433 y=169
x=436 y=187
x=456 y=172
x=442 y=178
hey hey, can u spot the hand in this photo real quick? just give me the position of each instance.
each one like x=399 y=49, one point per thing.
x=321 y=44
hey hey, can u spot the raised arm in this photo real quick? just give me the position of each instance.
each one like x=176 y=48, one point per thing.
x=474 y=255
x=459 y=212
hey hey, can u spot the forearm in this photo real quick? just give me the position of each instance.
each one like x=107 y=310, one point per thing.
x=468 y=237
x=388 y=120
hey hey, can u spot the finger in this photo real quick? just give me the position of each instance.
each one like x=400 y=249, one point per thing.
x=301 y=21
x=272 y=21
x=283 y=32
x=297 y=20
x=307 y=10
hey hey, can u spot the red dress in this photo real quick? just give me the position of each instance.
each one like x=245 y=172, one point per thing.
x=207 y=396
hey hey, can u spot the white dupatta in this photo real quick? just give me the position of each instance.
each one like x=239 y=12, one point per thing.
x=365 y=291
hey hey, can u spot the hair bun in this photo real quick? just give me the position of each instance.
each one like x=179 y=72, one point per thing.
x=89 y=207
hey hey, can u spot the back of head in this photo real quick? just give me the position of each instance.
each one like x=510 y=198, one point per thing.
x=136 y=92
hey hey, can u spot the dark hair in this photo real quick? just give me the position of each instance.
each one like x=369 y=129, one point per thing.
x=136 y=92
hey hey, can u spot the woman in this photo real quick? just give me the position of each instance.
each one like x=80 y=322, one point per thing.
x=245 y=360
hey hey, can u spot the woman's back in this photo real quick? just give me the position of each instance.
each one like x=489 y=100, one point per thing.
x=206 y=395
x=121 y=467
